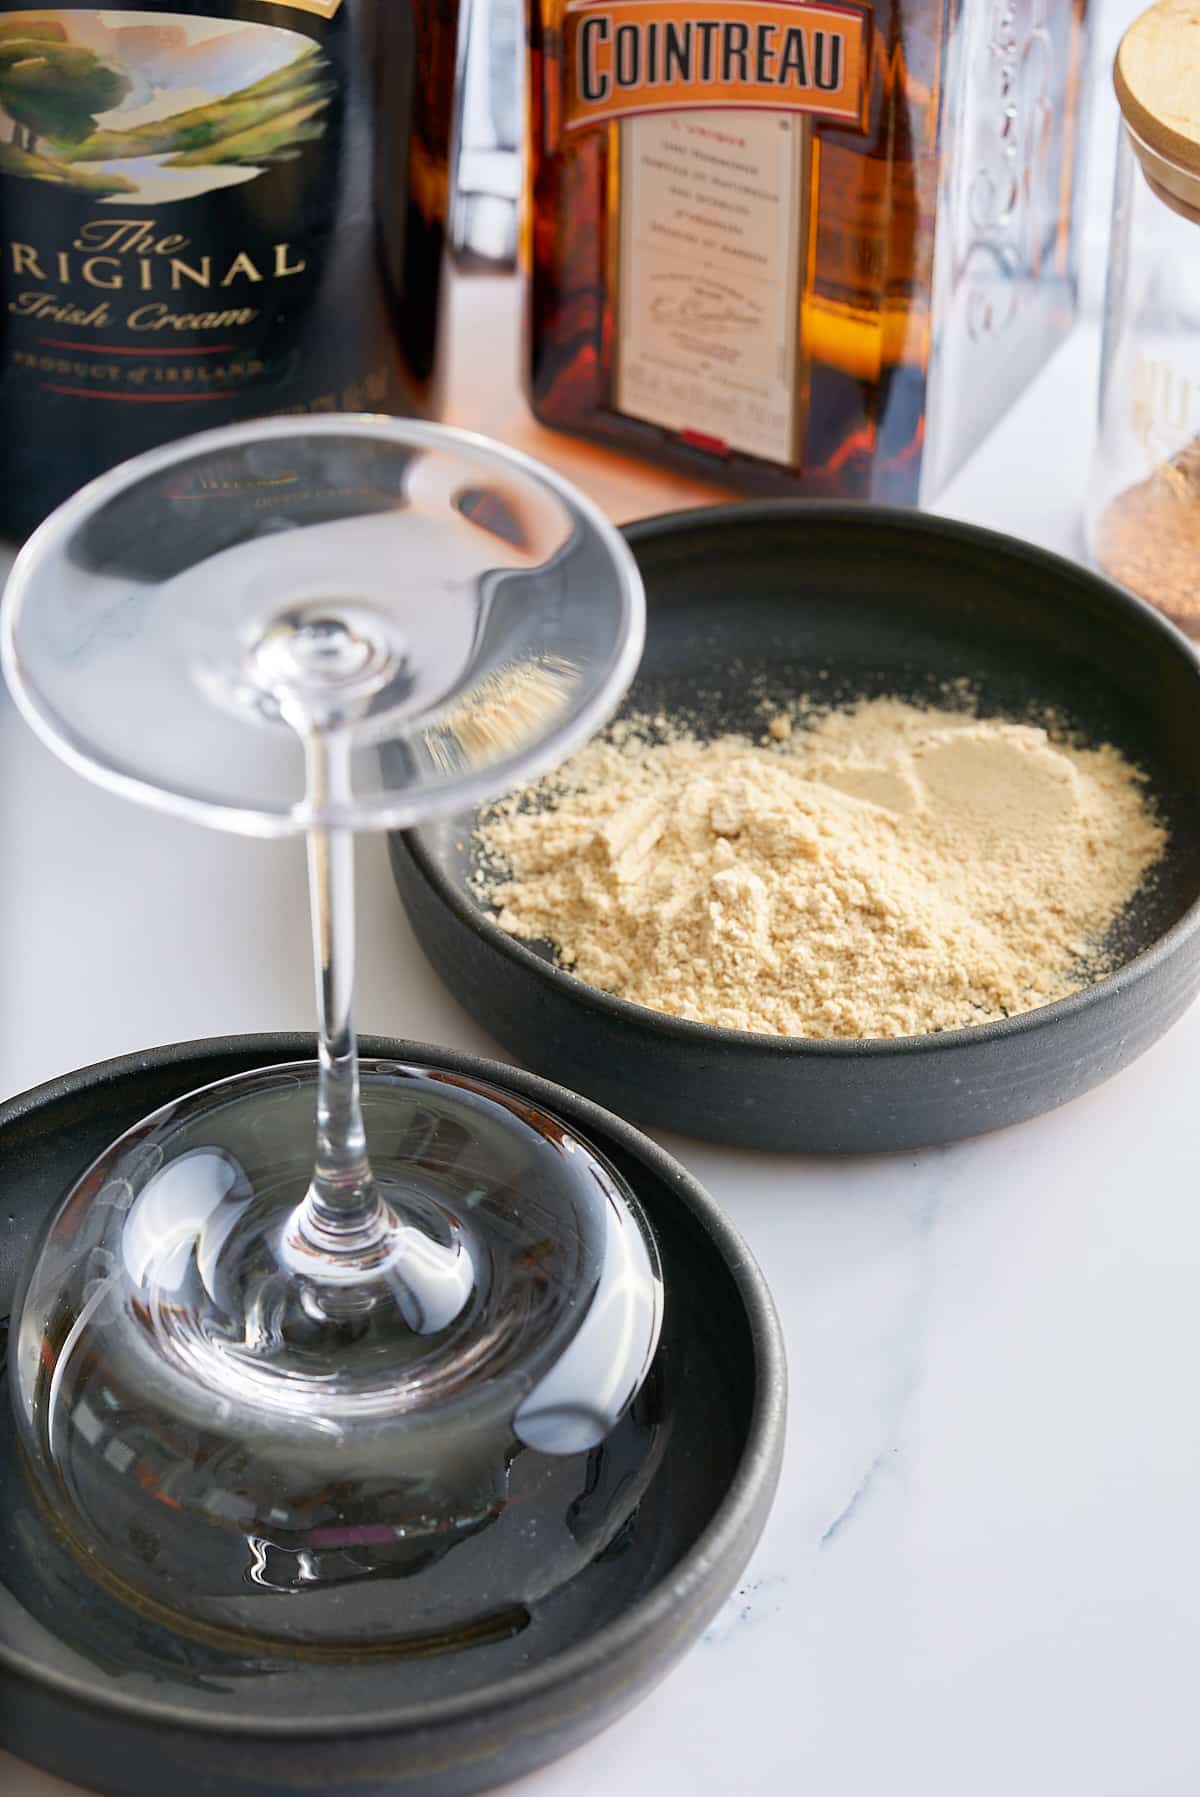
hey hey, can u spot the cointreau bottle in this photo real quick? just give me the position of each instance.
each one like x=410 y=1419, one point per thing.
x=802 y=247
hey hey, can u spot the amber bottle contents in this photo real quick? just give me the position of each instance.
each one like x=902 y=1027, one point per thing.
x=800 y=247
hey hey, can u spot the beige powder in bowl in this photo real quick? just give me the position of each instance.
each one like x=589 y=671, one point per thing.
x=883 y=871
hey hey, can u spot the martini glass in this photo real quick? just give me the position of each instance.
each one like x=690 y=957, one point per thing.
x=335 y=1356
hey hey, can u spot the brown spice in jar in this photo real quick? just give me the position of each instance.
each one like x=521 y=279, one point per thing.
x=1149 y=538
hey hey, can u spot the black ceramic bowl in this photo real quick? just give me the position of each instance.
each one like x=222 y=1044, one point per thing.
x=95 y=1693
x=858 y=600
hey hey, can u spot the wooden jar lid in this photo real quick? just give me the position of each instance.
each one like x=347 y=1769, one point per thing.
x=1157 y=78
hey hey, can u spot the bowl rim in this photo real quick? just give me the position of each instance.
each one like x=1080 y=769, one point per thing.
x=664 y=525
x=728 y=1537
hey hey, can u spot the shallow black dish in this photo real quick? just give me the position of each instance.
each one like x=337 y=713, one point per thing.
x=96 y=1694
x=852 y=601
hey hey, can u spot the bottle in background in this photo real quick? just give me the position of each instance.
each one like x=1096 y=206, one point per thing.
x=212 y=212
x=804 y=247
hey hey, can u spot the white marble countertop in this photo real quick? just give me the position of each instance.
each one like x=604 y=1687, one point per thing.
x=980 y=1575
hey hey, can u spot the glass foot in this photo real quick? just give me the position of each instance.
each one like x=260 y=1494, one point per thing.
x=235 y=1432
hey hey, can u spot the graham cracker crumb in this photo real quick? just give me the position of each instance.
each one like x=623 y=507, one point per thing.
x=884 y=871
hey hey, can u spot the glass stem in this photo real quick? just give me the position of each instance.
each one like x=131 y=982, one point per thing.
x=342 y=1212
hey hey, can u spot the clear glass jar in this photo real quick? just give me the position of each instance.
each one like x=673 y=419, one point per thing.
x=1143 y=517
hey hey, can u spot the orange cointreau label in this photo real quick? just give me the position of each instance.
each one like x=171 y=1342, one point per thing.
x=324 y=9
x=632 y=56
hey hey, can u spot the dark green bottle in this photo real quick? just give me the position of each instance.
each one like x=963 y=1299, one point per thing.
x=213 y=212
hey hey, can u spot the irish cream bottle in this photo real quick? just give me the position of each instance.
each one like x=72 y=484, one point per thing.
x=212 y=212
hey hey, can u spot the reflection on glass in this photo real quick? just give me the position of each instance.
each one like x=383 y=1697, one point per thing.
x=319 y=1329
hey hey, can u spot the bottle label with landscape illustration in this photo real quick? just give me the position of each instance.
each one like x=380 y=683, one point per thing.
x=140 y=263
x=205 y=217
